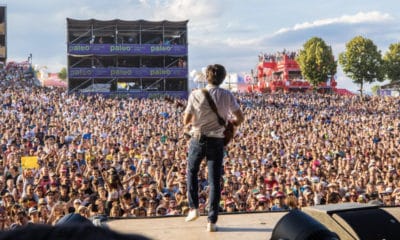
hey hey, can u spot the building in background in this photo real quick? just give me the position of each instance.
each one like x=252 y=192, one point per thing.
x=390 y=89
x=49 y=79
x=235 y=82
x=136 y=58
x=281 y=72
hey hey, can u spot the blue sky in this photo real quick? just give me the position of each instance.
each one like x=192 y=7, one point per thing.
x=230 y=32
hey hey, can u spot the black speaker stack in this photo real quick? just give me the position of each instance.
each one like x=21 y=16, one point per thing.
x=347 y=221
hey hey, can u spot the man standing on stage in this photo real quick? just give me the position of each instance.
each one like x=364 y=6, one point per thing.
x=207 y=139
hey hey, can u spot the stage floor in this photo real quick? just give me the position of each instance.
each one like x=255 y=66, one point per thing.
x=230 y=226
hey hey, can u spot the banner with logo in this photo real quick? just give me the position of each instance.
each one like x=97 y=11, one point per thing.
x=128 y=72
x=131 y=49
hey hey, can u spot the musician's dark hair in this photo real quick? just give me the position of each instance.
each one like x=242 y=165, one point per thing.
x=216 y=74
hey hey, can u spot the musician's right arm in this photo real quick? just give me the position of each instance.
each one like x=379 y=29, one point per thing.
x=187 y=120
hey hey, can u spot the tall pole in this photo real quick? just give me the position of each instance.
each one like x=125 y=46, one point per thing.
x=30 y=72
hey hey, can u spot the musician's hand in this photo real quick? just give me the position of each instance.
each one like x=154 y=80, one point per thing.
x=187 y=135
x=186 y=128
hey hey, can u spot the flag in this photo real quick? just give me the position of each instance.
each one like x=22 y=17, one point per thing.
x=29 y=162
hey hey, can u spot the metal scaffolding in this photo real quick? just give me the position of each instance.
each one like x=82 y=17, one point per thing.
x=143 y=55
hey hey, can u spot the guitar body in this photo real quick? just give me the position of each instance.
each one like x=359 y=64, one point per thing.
x=229 y=132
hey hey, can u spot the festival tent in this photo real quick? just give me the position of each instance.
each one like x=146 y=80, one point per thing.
x=236 y=82
x=344 y=92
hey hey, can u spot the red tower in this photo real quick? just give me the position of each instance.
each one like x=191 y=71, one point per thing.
x=280 y=71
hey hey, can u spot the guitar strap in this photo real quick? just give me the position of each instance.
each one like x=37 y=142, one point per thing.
x=211 y=102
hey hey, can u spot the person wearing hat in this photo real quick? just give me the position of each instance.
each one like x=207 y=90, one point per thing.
x=77 y=203
x=386 y=197
x=332 y=186
x=33 y=214
x=279 y=202
x=8 y=199
x=308 y=195
x=361 y=199
x=166 y=195
x=263 y=202
x=146 y=178
x=169 y=188
x=230 y=206
x=161 y=210
x=51 y=198
x=83 y=211
x=42 y=202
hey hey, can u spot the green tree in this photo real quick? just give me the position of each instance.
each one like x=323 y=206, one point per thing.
x=374 y=89
x=362 y=62
x=316 y=61
x=392 y=63
x=63 y=74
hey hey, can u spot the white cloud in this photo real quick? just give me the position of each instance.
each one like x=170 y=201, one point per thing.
x=361 y=17
x=285 y=37
x=243 y=42
x=144 y=2
x=188 y=9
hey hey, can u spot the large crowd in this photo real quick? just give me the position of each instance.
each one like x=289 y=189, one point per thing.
x=126 y=157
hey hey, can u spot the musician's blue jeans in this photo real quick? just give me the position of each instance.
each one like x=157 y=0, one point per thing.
x=213 y=150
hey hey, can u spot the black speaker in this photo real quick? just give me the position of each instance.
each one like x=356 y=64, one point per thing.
x=297 y=225
x=357 y=221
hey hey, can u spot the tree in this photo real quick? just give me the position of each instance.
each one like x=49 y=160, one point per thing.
x=362 y=62
x=392 y=63
x=374 y=89
x=63 y=74
x=316 y=61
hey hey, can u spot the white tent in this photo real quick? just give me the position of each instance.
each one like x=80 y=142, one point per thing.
x=233 y=81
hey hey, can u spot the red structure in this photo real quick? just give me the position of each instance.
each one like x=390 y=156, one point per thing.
x=281 y=72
